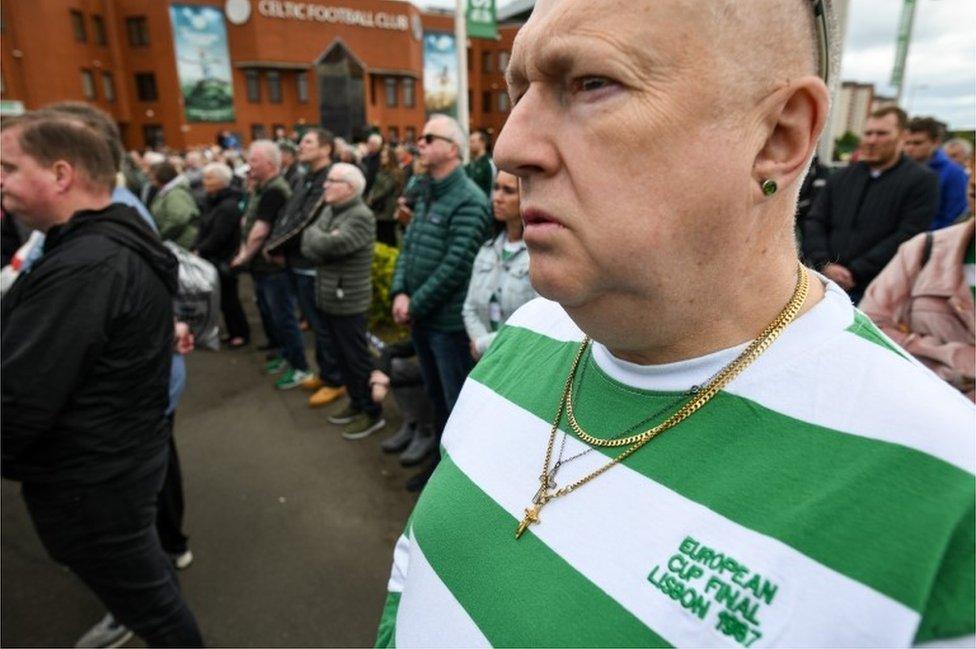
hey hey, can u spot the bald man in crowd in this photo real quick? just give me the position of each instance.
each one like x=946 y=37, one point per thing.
x=691 y=439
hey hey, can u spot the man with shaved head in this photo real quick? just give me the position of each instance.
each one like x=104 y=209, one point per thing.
x=690 y=439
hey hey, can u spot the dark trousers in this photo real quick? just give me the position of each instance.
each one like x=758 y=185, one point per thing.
x=264 y=309
x=325 y=348
x=169 y=511
x=106 y=535
x=445 y=360
x=230 y=307
x=386 y=232
x=355 y=364
x=281 y=305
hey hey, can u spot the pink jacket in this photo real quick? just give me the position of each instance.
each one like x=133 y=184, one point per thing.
x=929 y=310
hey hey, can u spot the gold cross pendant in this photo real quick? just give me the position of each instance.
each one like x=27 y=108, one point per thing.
x=531 y=516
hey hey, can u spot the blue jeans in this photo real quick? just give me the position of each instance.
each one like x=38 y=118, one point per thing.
x=325 y=348
x=281 y=303
x=267 y=322
x=445 y=360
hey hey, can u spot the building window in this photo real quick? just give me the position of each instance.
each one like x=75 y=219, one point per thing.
x=486 y=102
x=302 y=78
x=78 y=25
x=108 y=86
x=503 y=102
x=409 y=87
x=87 y=84
x=152 y=135
x=274 y=86
x=410 y=134
x=394 y=134
x=258 y=132
x=391 y=91
x=146 y=86
x=138 y=31
x=503 y=61
x=253 y=86
x=486 y=61
x=98 y=29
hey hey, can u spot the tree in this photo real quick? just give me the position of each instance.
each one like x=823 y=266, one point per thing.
x=845 y=145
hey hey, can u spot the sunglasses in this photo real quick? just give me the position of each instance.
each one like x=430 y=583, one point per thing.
x=429 y=138
x=823 y=44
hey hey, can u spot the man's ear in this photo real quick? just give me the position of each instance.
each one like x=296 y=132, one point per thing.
x=794 y=117
x=64 y=175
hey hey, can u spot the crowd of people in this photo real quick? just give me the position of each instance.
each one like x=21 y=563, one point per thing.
x=89 y=412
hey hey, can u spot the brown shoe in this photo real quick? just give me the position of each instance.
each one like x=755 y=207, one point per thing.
x=313 y=383
x=326 y=395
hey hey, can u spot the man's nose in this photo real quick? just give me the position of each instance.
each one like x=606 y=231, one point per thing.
x=525 y=146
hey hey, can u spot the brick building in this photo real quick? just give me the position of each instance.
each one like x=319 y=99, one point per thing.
x=294 y=64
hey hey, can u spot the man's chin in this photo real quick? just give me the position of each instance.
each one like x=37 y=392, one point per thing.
x=554 y=284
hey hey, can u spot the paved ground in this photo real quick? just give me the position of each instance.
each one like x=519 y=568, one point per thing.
x=291 y=526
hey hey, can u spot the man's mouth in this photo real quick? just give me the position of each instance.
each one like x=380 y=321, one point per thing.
x=537 y=217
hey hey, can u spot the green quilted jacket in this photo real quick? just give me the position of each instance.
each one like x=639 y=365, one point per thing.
x=176 y=214
x=451 y=220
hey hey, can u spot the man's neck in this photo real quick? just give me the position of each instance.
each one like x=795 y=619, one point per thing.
x=724 y=314
x=443 y=171
x=319 y=165
x=81 y=203
x=885 y=166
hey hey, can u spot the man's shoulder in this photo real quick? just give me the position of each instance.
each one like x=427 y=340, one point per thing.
x=859 y=384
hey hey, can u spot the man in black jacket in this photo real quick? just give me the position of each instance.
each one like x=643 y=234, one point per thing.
x=870 y=208
x=86 y=347
x=315 y=152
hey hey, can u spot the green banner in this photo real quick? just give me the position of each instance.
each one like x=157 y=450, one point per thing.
x=203 y=63
x=482 y=19
x=904 y=33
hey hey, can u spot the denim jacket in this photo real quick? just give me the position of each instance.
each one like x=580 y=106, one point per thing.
x=509 y=280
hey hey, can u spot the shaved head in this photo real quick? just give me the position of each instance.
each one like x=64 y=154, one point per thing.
x=763 y=42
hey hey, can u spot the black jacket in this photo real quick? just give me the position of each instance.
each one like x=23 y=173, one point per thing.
x=86 y=347
x=220 y=227
x=298 y=213
x=859 y=221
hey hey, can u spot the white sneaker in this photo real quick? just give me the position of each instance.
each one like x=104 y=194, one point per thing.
x=183 y=561
x=107 y=633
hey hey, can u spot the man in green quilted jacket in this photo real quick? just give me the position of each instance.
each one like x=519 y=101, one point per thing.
x=451 y=219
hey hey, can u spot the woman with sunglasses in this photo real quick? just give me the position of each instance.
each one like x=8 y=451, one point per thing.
x=500 y=275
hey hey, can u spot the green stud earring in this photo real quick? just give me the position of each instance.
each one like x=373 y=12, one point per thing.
x=769 y=187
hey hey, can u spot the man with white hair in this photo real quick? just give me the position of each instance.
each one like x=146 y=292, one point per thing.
x=451 y=219
x=371 y=161
x=691 y=439
x=960 y=151
x=218 y=243
x=268 y=196
x=340 y=241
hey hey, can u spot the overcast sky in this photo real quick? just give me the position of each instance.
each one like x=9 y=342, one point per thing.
x=940 y=76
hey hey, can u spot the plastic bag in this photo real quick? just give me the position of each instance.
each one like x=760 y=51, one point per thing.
x=197 y=301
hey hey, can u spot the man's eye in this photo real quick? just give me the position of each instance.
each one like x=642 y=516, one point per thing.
x=589 y=84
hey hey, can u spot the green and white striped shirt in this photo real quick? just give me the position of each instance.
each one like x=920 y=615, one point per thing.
x=824 y=498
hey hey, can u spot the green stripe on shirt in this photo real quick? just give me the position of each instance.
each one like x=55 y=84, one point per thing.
x=791 y=473
x=548 y=602
x=863 y=327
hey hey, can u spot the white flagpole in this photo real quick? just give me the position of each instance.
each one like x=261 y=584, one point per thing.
x=461 y=40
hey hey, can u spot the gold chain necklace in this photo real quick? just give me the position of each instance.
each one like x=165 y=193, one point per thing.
x=546 y=490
